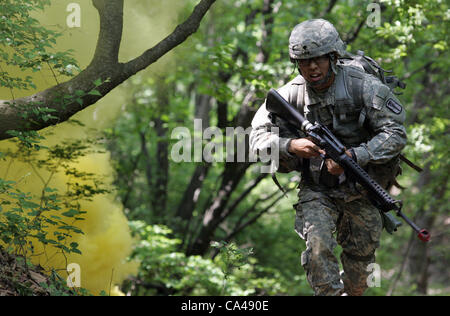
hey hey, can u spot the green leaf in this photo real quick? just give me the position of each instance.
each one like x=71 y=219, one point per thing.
x=71 y=213
x=98 y=82
x=95 y=92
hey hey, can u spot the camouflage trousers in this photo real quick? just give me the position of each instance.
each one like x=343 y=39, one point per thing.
x=358 y=225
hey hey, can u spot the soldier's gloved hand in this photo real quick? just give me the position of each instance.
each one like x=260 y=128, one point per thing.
x=333 y=167
x=304 y=148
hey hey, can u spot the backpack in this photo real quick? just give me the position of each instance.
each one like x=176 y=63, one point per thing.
x=370 y=66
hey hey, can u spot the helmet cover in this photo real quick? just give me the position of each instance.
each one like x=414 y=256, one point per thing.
x=314 y=38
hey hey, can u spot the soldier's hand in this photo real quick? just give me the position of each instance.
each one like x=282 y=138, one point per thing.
x=333 y=167
x=304 y=148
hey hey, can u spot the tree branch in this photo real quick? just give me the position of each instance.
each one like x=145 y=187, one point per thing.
x=62 y=99
x=240 y=227
x=254 y=218
x=246 y=192
x=354 y=35
x=412 y=73
x=177 y=37
x=330 y=7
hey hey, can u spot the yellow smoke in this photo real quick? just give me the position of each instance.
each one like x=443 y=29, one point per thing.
x=106 y=242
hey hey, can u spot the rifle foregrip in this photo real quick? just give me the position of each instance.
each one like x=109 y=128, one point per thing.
x=386 y=203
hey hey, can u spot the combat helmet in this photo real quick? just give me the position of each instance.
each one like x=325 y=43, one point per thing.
x=314 y=38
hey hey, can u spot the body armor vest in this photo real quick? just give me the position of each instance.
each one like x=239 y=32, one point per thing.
x=346 y=117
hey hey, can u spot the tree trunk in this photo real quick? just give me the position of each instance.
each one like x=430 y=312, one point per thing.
x=214 y=213
x=192 y=192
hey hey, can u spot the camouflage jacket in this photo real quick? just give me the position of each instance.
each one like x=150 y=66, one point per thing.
x=360 y=110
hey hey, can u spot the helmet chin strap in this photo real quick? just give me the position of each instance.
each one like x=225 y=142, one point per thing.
x=333 y=63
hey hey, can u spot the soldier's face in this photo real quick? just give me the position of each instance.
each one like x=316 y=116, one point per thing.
x=315 y=70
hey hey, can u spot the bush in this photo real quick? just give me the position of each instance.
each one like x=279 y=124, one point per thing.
x=165 y=271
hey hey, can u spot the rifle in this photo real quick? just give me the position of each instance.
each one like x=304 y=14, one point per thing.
x=335 y=150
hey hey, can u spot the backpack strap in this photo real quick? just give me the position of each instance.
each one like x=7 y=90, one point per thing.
x=298 y=100
x=275 y=180
x=357 y=79
x=357 y=86
x=293 y=94
x=410 y=163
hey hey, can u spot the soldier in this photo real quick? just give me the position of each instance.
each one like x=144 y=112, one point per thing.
x=366 y=116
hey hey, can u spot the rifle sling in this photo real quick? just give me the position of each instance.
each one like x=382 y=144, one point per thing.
x=410 y=163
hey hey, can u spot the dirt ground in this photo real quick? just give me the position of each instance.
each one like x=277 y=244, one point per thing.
x=16 y=279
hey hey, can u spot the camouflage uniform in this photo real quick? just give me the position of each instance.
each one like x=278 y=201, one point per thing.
x=367 y=117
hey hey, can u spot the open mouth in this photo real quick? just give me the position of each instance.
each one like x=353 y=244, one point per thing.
x=315 y=77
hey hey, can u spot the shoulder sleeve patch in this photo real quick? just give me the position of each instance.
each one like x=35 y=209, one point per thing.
x=394 y=106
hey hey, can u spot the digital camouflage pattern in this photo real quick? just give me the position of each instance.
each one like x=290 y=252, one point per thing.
x=358 y=225
x=371 y=129
x=358 y=108
x=314 y=38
